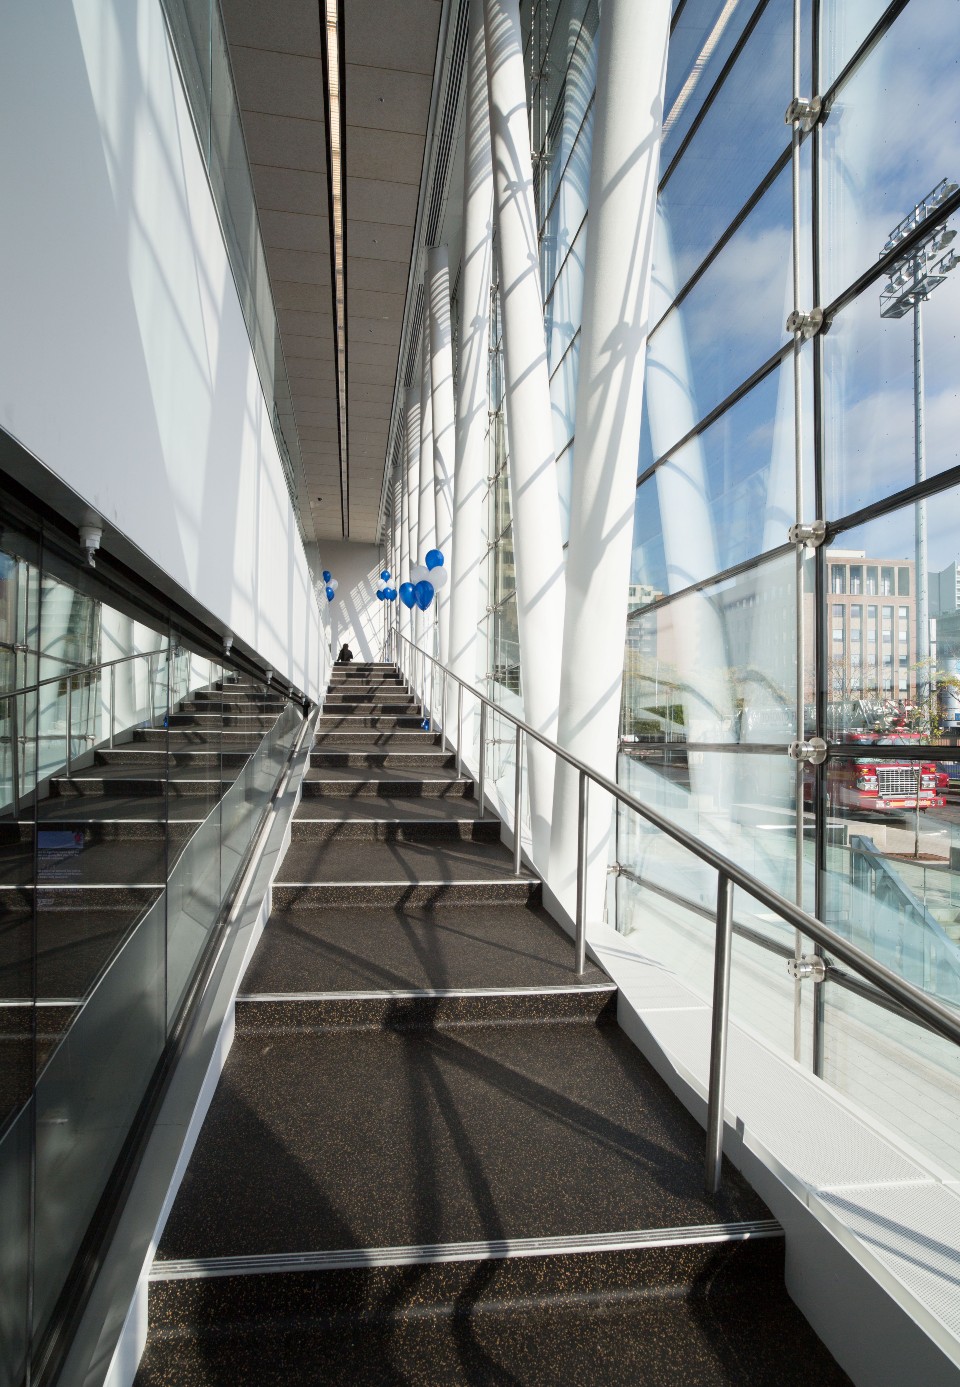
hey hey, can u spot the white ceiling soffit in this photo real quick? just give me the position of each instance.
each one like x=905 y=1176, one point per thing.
x=388 y=53
x=448 y=92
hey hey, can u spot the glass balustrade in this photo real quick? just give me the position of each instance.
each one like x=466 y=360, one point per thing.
x=135 y=771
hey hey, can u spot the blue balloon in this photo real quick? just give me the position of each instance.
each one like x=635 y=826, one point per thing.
x=434 y=559
x=327 y=575
x=424 y=594
x=385 y=574
x=330 y=594
x=379 y=595
x=391 y=594
x=408 y=595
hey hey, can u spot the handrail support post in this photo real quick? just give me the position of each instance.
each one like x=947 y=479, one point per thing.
x=517 y=801
x=719 y=1031
x=582 y=842
x=483 y=758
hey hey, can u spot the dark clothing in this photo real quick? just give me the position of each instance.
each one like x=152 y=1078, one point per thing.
x=345 y=656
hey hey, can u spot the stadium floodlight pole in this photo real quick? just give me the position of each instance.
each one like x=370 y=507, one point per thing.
x=913 y=279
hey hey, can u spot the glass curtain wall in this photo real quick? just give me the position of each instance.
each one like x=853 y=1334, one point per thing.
x=134 y=772
x=858 y=424
x=738 y=643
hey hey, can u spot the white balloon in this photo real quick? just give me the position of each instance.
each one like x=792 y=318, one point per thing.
x=439 y=577
x=333 y=583
x=417 y=573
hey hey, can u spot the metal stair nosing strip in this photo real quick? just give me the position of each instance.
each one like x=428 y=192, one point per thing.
x=490 y=1250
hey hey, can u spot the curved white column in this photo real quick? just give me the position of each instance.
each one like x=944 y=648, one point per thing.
x=426 y=498
x=437 y=293
x=467 y=549
x=411 y=500
x=534 y=502
x=631 y=72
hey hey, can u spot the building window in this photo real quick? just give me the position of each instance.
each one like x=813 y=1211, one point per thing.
x=871 y=588
x=886 y=582
x=856 y=578
x=903 y=582
x=838 y=578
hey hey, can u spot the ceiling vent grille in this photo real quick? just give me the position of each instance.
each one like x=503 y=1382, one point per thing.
x=413 y=346
x=443 y=150
x=451 y=67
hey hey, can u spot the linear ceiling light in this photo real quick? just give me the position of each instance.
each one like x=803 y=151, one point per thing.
x=334 y=97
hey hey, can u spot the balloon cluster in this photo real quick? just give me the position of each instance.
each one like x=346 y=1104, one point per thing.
x=426 y=580
x=332 y=584
x=386 y=594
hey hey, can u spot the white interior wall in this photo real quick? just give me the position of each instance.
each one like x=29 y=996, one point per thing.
x=356 y=616
x=125 y=365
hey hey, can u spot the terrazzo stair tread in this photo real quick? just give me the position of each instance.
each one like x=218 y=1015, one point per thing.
x=242 y=722
x=403 y=808
x=351 y=861
x=176 y=758
x=430 y=758
x=395 y=707
x=299 y=1013
x=77 y=854
x=362 y=948
x=474 y=1133
x=381 y=773
x=73 y=941
x=396 y=830
x=411 y=739
x=656 y=1343
x=196 y=737
x=163 y=769
x=196 y=785
x=328 y=722
x=148 y=811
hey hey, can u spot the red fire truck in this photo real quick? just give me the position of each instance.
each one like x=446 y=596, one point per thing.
x=888 y=783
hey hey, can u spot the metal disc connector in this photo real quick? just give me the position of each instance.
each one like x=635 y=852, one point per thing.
x=807 y=324
x=804 y=111
x=812 y=753
x=810 y=967
x=812 y=533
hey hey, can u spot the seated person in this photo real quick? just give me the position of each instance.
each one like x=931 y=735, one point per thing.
x=345 y=656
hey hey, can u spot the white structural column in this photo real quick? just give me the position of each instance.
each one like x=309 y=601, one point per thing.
x=412 y=501
x=399 y=491
x=467 y=549
x=631 y=72
x=437 y=294
x=535 y=506
x=427 y=502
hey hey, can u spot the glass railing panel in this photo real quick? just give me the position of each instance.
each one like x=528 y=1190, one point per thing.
x=16 y=1139
x=88 y=1090
x=904 y=1075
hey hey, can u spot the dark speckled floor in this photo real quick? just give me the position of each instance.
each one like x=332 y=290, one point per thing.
x=360 y=949
x=477 y=1132
x=346 y=1123
x=671 y=1318
x=348 y=860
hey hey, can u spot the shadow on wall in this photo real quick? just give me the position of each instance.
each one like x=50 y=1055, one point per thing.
x=357 y=620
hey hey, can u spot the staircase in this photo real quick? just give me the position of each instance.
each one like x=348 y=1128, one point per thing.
x=107 y=835
x=433 y=1157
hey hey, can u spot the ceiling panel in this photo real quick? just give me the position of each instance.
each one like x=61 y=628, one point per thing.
x=389 y=54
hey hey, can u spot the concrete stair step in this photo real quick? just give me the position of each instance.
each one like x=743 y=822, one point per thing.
x=347 y=722
x=710 y=1314
x=324 y=783
x=178 y=757
x=321 y=758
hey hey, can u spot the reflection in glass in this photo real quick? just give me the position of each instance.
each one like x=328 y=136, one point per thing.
x=716 y=664
x=732 y=320
x=740 y=472
x=875 y=169
x=720 y=170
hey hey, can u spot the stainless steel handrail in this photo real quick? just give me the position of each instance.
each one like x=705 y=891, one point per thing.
x=917 y=1003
